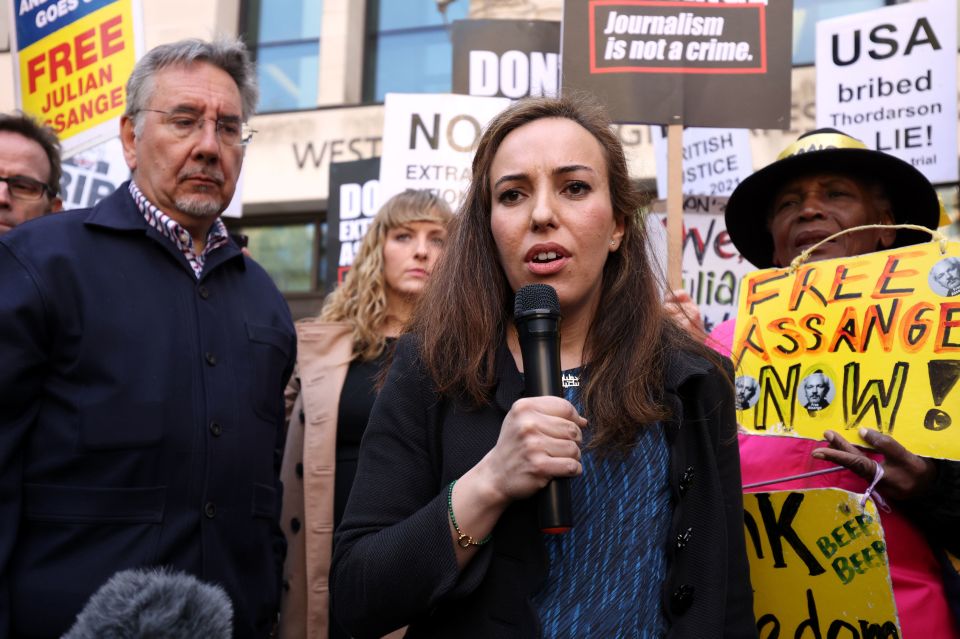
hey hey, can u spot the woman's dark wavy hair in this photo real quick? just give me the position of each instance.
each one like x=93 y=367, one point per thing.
x=468 y=306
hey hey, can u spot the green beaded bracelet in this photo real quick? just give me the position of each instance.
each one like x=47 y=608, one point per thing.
x=463 y=540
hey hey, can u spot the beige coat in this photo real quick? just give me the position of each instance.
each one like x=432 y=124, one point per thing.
x=324 y=353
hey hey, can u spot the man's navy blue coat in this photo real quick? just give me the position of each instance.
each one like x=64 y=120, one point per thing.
x=141 y=417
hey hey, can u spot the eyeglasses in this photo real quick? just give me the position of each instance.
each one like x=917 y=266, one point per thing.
x=230 y=131
x=23 y=188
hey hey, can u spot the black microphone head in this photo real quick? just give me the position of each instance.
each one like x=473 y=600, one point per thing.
x=535 y=297
x=154 y=603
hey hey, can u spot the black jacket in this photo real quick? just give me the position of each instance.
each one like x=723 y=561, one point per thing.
x=394 y=563
x=142 y=417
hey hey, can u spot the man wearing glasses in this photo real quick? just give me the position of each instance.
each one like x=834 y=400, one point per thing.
x=29 y=171
x=143 y=359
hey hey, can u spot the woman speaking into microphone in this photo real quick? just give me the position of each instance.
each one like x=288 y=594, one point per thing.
x=441 y=531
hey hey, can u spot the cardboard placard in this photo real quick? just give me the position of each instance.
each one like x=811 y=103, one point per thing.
x=868 y=341
x=72 y=60
x=818 y=565
x=354 y=198
x=889 y=78
x=506 y=58
x=429 y=140
x=716 y=64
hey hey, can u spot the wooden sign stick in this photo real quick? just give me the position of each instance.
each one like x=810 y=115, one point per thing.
x=675 y=206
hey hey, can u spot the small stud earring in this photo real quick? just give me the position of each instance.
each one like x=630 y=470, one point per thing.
x=612 y=242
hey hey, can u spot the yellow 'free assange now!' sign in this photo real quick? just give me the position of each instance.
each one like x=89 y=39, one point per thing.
x=868 y=341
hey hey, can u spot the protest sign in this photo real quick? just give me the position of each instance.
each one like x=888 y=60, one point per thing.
x=716 y=64
x=818 y=565
x=429 y=140
x=354 y=193
x=72 y=61
x=867 y=341
x=714 y=160
x=93 y=174
x=506 y=58
x=889 y=78
x=712 y=266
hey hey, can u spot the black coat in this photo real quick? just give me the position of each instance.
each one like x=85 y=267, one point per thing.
x=394 y=562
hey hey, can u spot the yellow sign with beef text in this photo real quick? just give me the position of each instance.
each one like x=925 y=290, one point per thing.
x=818 y=565
x=868 y=341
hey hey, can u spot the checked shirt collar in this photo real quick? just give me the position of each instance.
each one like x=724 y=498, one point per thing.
x=172 y=230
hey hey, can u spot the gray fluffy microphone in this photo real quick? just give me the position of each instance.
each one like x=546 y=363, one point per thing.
x=154 y=604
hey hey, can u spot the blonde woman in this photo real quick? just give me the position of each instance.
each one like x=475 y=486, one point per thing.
x=333 y=388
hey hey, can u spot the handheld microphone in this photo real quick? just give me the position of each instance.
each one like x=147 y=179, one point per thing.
x=536 y=313
x=154 y=603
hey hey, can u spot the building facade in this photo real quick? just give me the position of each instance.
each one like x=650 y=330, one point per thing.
x=324 y=68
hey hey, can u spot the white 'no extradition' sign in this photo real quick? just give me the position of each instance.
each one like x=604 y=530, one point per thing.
x=429 y=140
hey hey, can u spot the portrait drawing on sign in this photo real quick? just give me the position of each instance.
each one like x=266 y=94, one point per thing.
x=945 y=277
x=816 y=392
x=747 y=392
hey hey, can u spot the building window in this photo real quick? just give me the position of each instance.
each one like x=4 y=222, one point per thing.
x=292 y=252
x=284 y=37
x=408 y=47
x=806 y=14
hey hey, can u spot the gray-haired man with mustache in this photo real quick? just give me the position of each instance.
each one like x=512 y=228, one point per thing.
x=144 y=359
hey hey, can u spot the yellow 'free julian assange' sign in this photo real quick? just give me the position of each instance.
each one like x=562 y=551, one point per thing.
x=72 y=62
x=818 y=565
x=867 y=341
